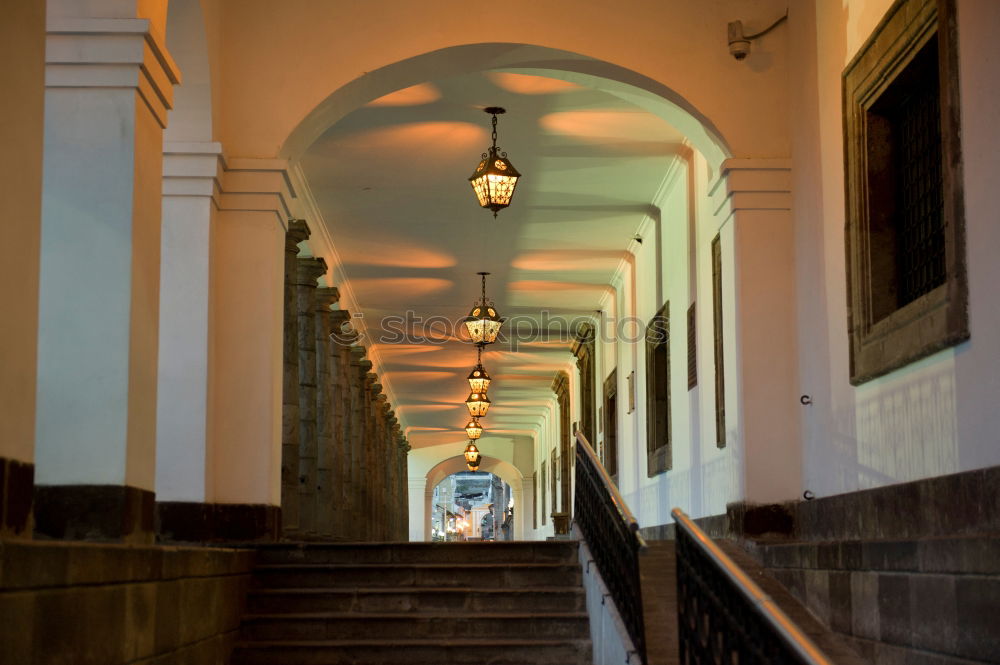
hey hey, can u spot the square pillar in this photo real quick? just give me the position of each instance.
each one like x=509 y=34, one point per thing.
x=109 y=83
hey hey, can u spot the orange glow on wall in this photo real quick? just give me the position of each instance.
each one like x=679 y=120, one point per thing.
x=529 y=84
x=415 y=95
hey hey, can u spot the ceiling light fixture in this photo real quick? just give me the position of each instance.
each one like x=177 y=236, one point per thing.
x=474 y=429
x=483 y=320
x=472 y=455
x=479 y=380
x=495 y=178
x=478 y=404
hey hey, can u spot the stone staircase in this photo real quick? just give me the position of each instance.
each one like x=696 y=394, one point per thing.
x=415 y=603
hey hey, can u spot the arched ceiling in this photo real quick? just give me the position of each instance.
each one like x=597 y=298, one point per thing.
x=390 y=182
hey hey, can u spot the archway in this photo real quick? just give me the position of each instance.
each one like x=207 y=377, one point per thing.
x=504 y=470
x=651 y=95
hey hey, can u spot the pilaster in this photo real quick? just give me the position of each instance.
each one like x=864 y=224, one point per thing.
x=109 y=83
x=753 y=212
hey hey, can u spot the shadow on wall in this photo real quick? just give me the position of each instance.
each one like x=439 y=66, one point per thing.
x=899 y=429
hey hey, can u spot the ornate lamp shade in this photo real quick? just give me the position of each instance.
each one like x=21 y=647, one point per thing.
x=472 y=455
x=479 y=380
x=478 y=404
x=473 y=467
x=495 y=177
x=483 y=320
x=474 y=429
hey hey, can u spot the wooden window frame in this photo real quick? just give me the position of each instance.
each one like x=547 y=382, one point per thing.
x=610 y=424
x=938 y=319
x=718 y=344
x=659 y=441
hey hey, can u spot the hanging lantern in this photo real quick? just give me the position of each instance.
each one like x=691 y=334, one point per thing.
x=479 y=380
x=472 y=455
x=473 y=467
x=474 y=429
x=478 y=404
x=483 y=321
x=495 y=177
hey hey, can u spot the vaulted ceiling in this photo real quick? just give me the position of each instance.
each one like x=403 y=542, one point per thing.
x=390 y=181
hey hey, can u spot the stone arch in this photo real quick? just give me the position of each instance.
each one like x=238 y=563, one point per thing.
x=651 y=95
x=498 y=467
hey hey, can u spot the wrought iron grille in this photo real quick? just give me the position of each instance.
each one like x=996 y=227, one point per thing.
x=612 y=536
x=723 y=618
x=919 y=187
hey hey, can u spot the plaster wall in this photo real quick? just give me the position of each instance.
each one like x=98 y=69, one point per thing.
x=22 y=41
x=245 y=358
x=934 y=416
x=747 y=102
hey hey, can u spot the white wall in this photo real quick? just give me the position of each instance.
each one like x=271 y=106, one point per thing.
x=935 y=416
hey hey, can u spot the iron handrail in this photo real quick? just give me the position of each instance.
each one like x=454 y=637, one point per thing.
x=612 y=489
x=790 y=634
x=612 y=536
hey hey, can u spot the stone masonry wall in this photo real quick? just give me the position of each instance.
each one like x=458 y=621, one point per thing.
x=115 y=604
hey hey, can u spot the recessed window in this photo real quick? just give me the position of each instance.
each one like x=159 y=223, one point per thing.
x=905 y=223
x=610 y=425
x=718 y=350
x=692 y=348
x=658 y=451
x=544 y=489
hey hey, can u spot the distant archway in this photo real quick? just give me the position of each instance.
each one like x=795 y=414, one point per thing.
x=523 y=504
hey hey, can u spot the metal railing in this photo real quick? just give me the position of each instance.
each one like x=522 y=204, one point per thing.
x=723 y=616
x=612 y=535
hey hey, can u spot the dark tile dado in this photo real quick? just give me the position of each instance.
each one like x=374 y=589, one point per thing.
x=17 y=487
x=94 y=512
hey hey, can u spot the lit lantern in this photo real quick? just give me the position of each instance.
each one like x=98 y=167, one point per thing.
x=483 y=321
x=495 y=177
x=473 y=467
x=474 y=429
x=472 y=455
x=478 y=404
x=479 y=380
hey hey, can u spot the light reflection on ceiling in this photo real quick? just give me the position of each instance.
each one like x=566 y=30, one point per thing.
x=390 y=180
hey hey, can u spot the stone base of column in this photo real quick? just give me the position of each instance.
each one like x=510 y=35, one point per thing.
x=94 y=512
x=192 y=522
x=17 y=489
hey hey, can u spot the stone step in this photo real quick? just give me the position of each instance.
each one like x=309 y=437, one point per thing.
x=412 y=625
x=424 y=575
x=471 y=651
x=503 y=552
x=462 y=600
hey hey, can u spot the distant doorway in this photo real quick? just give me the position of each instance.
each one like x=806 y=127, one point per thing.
x=472 y=506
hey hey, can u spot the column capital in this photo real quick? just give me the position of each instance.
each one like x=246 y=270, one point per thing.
x=191 y=168
x=751 y=184
x=85 y=52
x=310 y=269
x=297 y=232
x=325 y=297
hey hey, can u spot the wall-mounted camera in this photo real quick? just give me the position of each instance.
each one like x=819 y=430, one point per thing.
x=739 y=43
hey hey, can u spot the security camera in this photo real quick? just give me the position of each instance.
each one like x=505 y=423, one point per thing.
x=739 y=45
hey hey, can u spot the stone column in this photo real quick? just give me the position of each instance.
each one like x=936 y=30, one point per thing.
x=380 y=463
x=405 y=491
x=359 y=494
x=22 y=41
x=369 y=473
x=309 y=270
x=757 y=246
x=109 y=84
x=341 y=338
x=326 y=406
x=298 y=231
